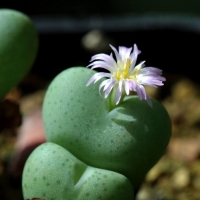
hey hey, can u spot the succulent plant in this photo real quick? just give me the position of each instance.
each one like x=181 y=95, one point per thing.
x=54 y=173
x=18 y=48
x=92 y=151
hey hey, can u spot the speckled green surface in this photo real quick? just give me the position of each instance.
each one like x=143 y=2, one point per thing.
x=127 y=140
x=52 y=173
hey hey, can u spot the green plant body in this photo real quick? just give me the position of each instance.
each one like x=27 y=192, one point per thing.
x=53 y=173
x=122 y=143
x=18 y=49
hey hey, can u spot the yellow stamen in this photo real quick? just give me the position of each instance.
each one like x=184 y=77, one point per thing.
x=123 y=70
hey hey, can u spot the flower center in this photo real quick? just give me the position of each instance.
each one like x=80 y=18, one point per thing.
x=123 y=69
x=123 y=72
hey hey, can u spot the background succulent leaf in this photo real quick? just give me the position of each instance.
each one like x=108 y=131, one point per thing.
x=18 y=48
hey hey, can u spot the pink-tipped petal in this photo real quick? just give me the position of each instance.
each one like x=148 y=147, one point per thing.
x=132 y=85
x=134 y=54
x=151 y=70
x=116 y=52
x=141 y=92
x=124 y=52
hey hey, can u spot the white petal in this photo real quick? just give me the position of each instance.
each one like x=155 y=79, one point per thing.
x=91 y=80
x=124 y=52
x=108 y=90
x=134 y=56
x=127 y=86
x=118 y=95
x=105 y=57
x=107 y=84
x=150 y=76
x=136 y=51
x=101 y=64
x=103 y=84
x=150 y=81
x=120 y=85
x=102 y=75
x=97 y=76
x=116 y=52
x=151 y=71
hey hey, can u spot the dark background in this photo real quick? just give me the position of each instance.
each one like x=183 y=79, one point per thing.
x=167 y=32
x=101 y=7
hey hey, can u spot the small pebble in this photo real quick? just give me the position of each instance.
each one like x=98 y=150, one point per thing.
x=181 y=178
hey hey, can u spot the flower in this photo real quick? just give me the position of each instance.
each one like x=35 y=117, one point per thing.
x=124 y=74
